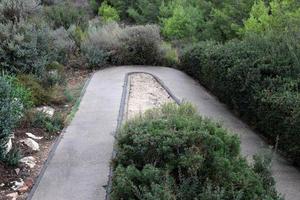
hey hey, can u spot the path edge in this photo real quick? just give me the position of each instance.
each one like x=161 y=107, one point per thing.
x=120 y=119
x=55 y=145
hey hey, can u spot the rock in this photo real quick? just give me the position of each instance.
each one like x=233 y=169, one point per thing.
x=23 y=189
x=17 y=170
x=47 y=110
x=17 y=184
x=13 y=196
x=32 y=144
x=29 y=161
x=2 y=185
x=8 y=146
x=29 y=182
x=33 y=136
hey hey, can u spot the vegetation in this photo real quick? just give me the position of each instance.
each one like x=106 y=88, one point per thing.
x=173 y=153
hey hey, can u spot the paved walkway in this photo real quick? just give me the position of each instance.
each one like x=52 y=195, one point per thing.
x=80 y=165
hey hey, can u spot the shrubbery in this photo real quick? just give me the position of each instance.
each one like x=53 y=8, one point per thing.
x=65 y=14
x=113 y=44
x=259 y=77
x=172 y=153
x=14 y=99
x=108 y=13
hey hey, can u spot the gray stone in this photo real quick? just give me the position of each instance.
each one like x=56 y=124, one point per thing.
x=31 y=144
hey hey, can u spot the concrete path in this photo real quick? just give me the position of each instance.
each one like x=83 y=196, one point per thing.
x=80 y=165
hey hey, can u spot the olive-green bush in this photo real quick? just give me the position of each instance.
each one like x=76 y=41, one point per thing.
x=14 y=99
x=173 y=153
x=258 y=77
x=65 y=14
x=108 y=13
x=116 y=45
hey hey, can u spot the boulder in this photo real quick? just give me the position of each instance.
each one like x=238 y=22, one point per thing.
x=47 y=110
x=29 y=161
x=32 y=136
x=31 y=144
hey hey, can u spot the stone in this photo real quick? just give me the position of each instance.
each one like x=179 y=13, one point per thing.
x=17 y=170
x=2 y=185
x=32 y=144
x=23 y=189
x=47 y=110
x=29 y=182
x=32 y=136
x=29 y=161
x=8 y=146
x=17 y=184
x=13 y=195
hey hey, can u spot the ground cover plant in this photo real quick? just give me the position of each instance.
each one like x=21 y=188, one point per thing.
x=173 y=153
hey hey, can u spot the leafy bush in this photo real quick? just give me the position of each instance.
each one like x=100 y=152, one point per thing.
x=26 y=48
x=112 y=44
x=145 y=11
x=50 y=125
x=259 y=77
x=39 y=95
x=108 y=13
x=65 y=14
x=15 y=10
x=63 y=44
x=172 y=153
x=184 y=21
x=14 y=99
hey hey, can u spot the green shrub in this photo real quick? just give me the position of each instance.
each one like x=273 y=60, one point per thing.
x=27 y=48
x=184 y=22
x=112 y=44
x=145 y=11
x=14 y=99
x=173 y=153
x=39 y=94
x=139 y=45
x=258 y=77
x=108 y=13
x=65 y=14
x=50 y=125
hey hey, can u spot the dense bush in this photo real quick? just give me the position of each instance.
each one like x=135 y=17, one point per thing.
x=15 y=10
x=65 y=14
x=113 y=44
x=108 y=13
x=172 y=153
x=14 y=99
x=259 y=77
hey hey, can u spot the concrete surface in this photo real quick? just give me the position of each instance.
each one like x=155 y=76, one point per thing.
x=80 y=166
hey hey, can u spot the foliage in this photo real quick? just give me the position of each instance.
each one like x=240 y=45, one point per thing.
x=15 y=10
x=108 y=13
x=14 y=99
x=26 y=48
x=185 y=21
x=39 y=95
x=145 y=11
x=65 y=14
x=172 y=153
x=259 y=77
x=112 y=44
x=50 y=125
x=63 y=44
x=279 y=16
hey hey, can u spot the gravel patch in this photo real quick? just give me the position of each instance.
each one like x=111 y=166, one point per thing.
x=145 y=93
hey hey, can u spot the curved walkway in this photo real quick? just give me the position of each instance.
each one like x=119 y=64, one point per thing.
x=79 y=167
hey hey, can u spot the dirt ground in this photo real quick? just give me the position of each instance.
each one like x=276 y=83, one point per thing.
x=145 y=93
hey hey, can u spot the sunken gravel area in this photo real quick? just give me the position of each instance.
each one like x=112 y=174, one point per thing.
x=144 y=93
